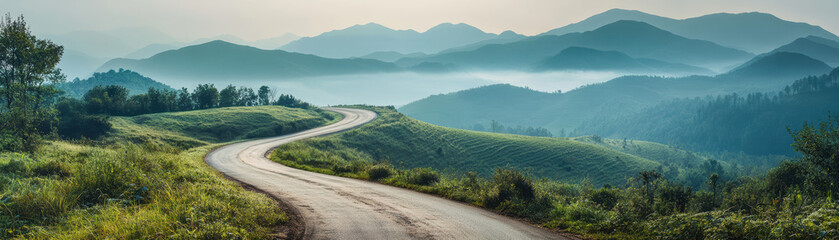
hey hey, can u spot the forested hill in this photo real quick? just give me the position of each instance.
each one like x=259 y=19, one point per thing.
x=223 y=60
x=753 y=123
x=133 y=81
x=564 y=112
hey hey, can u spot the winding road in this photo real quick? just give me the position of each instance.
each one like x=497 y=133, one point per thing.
x=341 y=208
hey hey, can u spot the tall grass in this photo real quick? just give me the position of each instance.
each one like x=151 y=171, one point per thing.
x=142 y=183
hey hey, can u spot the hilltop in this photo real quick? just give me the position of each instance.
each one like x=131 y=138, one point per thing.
x=133 y=81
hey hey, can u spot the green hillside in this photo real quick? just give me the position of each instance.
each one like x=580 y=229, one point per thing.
x=408 y=143
x=192 y=128
x=564 y=112
x=134 y=82
x=223 y=60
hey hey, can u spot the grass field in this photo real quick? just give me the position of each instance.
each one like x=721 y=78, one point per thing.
x=403 y=152
x=145 y=180
x=407 y=143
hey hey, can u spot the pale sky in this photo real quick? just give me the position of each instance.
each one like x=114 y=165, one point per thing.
x=257 y=19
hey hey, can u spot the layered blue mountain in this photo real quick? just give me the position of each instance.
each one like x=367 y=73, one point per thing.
x=754 y=32
x=575 y=58
x=360 y=40
x=636 y=39
x=779 y=65
x=223 y=60
x=824 y=50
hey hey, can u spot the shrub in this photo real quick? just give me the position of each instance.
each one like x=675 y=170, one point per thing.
x=605 y=198
x=379 y=172
x=509 y=185
x=423 y=176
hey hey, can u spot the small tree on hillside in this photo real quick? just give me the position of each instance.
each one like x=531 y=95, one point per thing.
x=264 y=94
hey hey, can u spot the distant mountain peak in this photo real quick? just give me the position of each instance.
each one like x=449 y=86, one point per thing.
x=453 y=28
x=779 y=64
x=630 y=27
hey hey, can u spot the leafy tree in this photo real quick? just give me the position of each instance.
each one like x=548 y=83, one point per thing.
x=75 y=122
x=264 y=93
x=206 y=96
x=820 y=147
x=109 y=100
x=228 y=96
x=184 y=100
x=161 y=100
x=291 y=101
x=28 y=75
x=246 y=97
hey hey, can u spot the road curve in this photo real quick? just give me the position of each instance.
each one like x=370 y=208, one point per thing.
x=341 y=208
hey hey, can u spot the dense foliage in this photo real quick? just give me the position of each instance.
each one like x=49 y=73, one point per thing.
x=28 y=75
x=792 y=201
x=755 y=123
x=132 y=81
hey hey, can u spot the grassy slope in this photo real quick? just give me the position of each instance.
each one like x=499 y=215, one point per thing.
x=193 y=128
x=653 y=151
x=408 y=143
x=137 y=185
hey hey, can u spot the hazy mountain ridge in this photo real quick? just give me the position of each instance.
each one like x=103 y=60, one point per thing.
x=824 y=50
x=223 y=60
x=360 y=40
x=754 y=32
x=636 y=39
x=575 y=58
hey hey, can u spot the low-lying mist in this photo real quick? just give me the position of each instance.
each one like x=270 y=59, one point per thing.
x=402 y=88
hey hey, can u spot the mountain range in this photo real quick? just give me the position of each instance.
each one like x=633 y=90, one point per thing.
x=633 y=38
x=224 y=60
x=361 y=40
x=754 y=32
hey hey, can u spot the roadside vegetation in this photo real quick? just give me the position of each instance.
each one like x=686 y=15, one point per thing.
x=793 y=201
x=96 y=167
x=146 y=179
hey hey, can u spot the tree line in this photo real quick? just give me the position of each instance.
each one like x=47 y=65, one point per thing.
x=88 y=117
x=33 y=107
x=497 y=127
